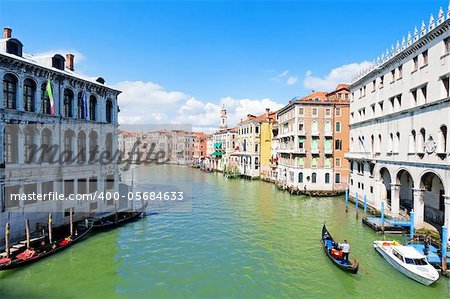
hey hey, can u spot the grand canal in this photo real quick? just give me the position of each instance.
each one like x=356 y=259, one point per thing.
x=242 y=239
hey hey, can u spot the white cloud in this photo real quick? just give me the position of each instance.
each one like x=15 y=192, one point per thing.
x=284 y=77
x=292 y=80
x=342 y=74
x=149 y=103
x=283 y=74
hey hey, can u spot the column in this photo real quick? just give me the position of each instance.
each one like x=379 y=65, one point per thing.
x=75 y=104
x=419 y=207
x=377 y=194
x=19 y=95
x=395 y=199
x=447 y=210
x=20 y=146
x=1 y=88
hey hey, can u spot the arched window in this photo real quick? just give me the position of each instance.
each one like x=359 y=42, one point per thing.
x=45 y=100
x=81 y=147
x=379 y=144
x=10 y=91
x=46 y=145
x=80 y=106
x=327 y=126
x=29 y=144
x=300 y=177
x=301 y=126
x=29 y=91
x=397 y=143
x=338 y=126
x=412 y=142
x=93 y=146
x=314 y=126
x=313 y=177
x=68 y=100
x=109 y=111
x=327 y=178
x=372 y=144
x=391 y=143
x=442 y=140
x=11 y=144
x=92 y=107
x=68 y=145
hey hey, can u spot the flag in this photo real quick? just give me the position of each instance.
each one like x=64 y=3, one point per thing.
x=50 y=96
x=85 y=105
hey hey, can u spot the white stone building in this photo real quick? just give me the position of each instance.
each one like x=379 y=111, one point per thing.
x=84 y=123
x=400 y=115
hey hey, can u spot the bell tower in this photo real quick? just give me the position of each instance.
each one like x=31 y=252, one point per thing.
x=223 y=118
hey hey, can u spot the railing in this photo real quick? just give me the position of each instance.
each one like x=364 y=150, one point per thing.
x=315 y=151
x=359 y=155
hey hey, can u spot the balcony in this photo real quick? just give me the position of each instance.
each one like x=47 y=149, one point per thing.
x=301 y=151
x=328 y=151
x=315 y=151
x=328 y=134
x=315 y=133
x=359 y=156
x=301 y=133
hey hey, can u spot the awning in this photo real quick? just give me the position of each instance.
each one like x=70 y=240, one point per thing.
x=217 y=153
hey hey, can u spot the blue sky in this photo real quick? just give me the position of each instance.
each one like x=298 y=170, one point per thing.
x=213 y=52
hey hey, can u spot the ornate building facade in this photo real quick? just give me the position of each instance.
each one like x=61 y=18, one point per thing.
x=400 y=115
x=78 y=116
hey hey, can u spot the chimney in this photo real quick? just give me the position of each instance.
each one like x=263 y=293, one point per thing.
x=69 y=61
x=7 y=32
x=267 y=113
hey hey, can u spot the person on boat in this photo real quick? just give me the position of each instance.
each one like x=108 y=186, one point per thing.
x=345 y=250
x=426 y=245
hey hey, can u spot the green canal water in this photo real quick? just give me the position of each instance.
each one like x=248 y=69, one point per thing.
x=243 y=239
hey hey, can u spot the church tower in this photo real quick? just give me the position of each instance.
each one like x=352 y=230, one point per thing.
x=223 y=118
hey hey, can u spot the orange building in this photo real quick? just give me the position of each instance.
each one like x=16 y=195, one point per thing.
x=199 y=146
x=313 y=136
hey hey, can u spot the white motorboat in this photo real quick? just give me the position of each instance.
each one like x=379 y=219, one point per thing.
x=408 y=261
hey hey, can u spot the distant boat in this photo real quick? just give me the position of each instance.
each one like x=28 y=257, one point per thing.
x=408 y=261
x=336 y=255
x=41 y=248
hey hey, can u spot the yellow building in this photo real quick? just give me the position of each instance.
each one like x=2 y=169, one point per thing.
x=254 y=141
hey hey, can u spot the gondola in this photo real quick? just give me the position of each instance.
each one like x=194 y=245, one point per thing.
x=116 y=219
x=327 y=242
x=41 y=248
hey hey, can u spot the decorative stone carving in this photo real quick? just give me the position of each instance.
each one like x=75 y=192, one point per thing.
x=431 y=24
x=423 y=29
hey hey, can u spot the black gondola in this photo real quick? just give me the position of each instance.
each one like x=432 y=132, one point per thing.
x=116 y=219
x=328 y=242
x=42 y=248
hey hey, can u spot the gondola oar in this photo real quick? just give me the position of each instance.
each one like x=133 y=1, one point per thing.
x=71 y=221
x=27 y=231
x=364 y=268
x=7 y=239
x=50 y=237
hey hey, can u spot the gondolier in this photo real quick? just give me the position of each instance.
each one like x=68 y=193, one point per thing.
x=345 y=250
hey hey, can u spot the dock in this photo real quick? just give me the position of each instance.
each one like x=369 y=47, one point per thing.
x=393 y=226
x=434 y=254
